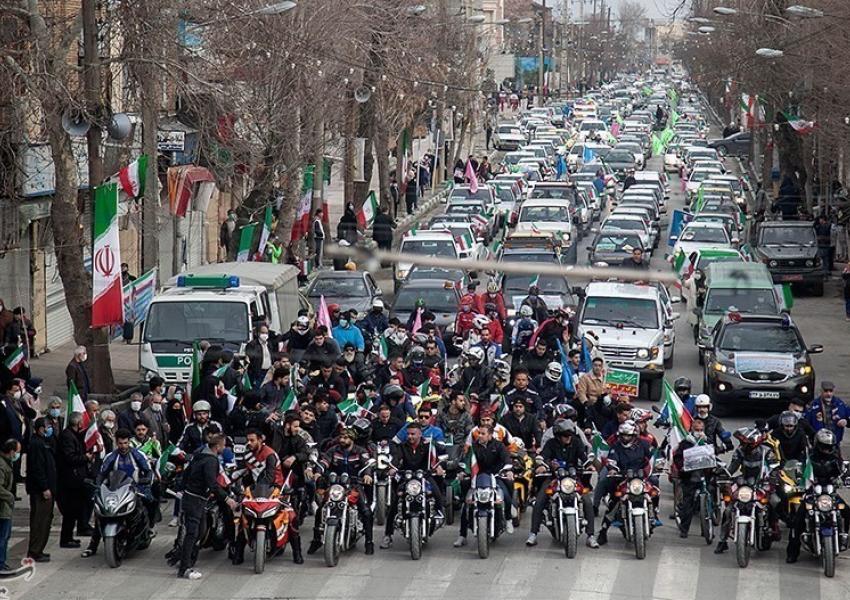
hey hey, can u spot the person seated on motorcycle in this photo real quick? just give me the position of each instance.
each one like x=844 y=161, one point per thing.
x=492 y=349
x=642 y=417
x=455 y=419
x=560 y=413
x=247 y=413
x=465 y=317
x=540 y=311
x=345 y=457
x=434 y=356
x=550 y=385
x=521 y=386
x=536 y=359
x=622 y=412
x=493 y=296
x=397 y=338
x=424 y=417
x=385 y=425
x=522 y=333
x=682 y=387
x=400 y=403
x=194 y=435
x=497 y=332
x=628 y=453
x=497 y=432
x=715 y=434
x=827 y=466
x=521 y=424
x=415 y=373
x=375 y=321
x=415 y=454
x=476 y=379
x=755 y=459
x=553 y=329
x=470 y=295
x=796 y=405
x=492 y=458
x=565 y=450
x=689 y=481
x=792 y=442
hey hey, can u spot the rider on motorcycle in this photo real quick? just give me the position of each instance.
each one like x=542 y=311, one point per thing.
x=689 y=481
x=493 y=295
x=565 y=450
x=538 y=306
x=194 y=435
x=415 y=373
x=497 y=331
x=465 y=317
x=550 y=385
x=552 y=329
x=522 y=424
x=682 y=387
x=476 y=379
x=414 y=454
x=523 y=330
x=714 y=432
x=791 y=439
x=346 y=458
x=492 y=349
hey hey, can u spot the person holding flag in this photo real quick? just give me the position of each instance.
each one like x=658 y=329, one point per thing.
x=72 y=465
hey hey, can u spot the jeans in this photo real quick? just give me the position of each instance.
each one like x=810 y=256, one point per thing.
x=824 y=254
x=319 y=245
x=5 y=534
x=847 y=308
x=192 y=513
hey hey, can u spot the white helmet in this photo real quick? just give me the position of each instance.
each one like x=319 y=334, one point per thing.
x=554 y=371
x=627 y=427
x=377 y=303
x=702 y=400
x=201 y=406
x=481 y=322
x=476 y=353
x=525 y=310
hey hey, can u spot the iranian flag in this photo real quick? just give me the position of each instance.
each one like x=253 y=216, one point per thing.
x=289 y=401
x=107 y=292
x=301 y=224
x=383 y=348
x=471 y=177
x=680 y=418
x=16 y=360
x=682 y=265
x=799 y=125
x=132 y=177
x=424 y=388
x=75 y=404
x=503 y=409
x=472 y=463
x=265 y=233
x=366 y=214
x=350 y=406
x=599 y=446
x=465 y=242
x=246 y=238
x=93 y=440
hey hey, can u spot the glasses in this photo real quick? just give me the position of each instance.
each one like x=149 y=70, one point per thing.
x=426 y=417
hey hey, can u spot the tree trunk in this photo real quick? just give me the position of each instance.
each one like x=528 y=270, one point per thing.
x=383 y=154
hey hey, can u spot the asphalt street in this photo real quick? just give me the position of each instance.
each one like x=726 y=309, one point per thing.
x=674 y=569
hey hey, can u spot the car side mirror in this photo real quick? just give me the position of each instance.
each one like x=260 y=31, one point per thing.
x=815 y=349
x=579 y=292
x=379 y=292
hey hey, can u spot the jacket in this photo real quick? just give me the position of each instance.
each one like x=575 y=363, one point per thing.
x=485 y=298
x=457 y=425
x=572 y=455
x=714 y=432
x=385 y=431
x=793 y=447
x=527 y=429
x=202 y=474
x=351 y=334
x=254 y=352
x=408 y=458
x=127 y=419
x=264 y=467
x=7 y=488
x=194 y=437
x=492 y=457
x=478 y=380
x=134 y=464
x=71 y=462
x=41 y=467
x=291 y=445
x=78 y=373
x=158 y=424
x=328 y=351
x=382 y=229
x=374 y=323
x=837 y=411
x=631 y=458
x=339 y=460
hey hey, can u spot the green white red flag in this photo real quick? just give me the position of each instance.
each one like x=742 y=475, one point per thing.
x=107 y=291
x=366 y=214
x=74 y=404
x=680 y=418
x=801 y=126
x=246 y=238
x=132 y=177
x=266 y=231
x=16 y=360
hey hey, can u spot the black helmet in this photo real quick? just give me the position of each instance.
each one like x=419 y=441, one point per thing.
x=417 y=354
x=682 y=383
x=392 y=391
x=565 y=411
x=362 y=429
x=824 y=441
x=788 y=418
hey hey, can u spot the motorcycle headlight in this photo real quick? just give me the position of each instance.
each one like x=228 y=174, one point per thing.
x=483 y=495
x=643 y=353
x=745 y=494
x=568 y=485
x=336 y=493
x=825 y=503
x=111 y=503
x=413 y=487
x=636 y=487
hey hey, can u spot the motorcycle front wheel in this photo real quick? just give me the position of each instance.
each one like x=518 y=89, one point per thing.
x=571 y=538
x=640 y=539
x=450 y=505
x=742 y=545
x=483 y=537
x=260 y=552
x=415 y=538
x=828 y=552
x=380 y=504
x=331 y=545
x=112 y=552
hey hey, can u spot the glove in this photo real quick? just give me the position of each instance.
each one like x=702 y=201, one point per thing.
x=727 y=444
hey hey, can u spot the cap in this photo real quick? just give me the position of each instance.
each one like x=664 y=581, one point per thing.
x=377 y=303
x=303 y=321
x=827 y=385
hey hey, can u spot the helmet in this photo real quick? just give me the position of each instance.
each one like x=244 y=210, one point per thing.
x=627 y=428
x=332 y=308
x=453 y=376
x=565 y=411
x=302 y=321
x=534 y=289
x=392 y=391
x=517 y=445
x=492 y=286
x=377 y=303
x=639 y=415
x=201 y=406
x=749 y=436
x=682 y=383
x=476 y=354
x=564 y=427
x=362 y=428
x=503 y=369
x=788 y=418
x=554 y=371
x=490 y=308
x=481 y=321
x=525 y=310
x=702 y=400
x=824 y=440
x=417 y=354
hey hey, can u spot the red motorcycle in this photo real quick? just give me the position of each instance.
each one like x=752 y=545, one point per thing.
x=268 y=522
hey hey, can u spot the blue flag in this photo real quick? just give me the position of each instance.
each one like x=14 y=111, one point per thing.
x=587 y=155
x=561 y=167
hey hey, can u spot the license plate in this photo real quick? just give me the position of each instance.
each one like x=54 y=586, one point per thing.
x=764 y=395
x=796 y=277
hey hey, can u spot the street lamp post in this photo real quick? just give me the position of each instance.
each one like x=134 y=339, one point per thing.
x=541 y=68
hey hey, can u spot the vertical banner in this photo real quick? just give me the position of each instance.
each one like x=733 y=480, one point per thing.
x=107 y=295
x=359 y=159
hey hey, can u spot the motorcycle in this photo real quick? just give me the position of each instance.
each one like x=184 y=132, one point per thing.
x=416 y=514
x=266 y=520
x=383 y=492
x=453 y=465
x=341 y=524
x=823 y=535
x=522 y=467
x=635 y=509
x=750 y=527
x=121 y=517
x=564 y=517
x=484 y=499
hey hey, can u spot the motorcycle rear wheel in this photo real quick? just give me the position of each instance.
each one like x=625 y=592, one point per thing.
x=415 y=538
x=450 y=505
x=331 y=545
x=112 y=552
x=828 y=552
x=380 y=505
x=260 y=552
x=640 y=539
x=742 y=545
x=571 y=539
x=482 y=533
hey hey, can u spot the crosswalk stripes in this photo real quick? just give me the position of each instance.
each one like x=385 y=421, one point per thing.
x=676 y=578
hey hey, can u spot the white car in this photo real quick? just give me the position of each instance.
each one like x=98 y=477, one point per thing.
x=428 y=243
x=702 y=236
x=508 y=137
x=697 y=176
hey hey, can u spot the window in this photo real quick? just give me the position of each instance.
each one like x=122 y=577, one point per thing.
x=560 y=193
x=430 y=247
x=545 y=214
x=198 y=320
x=753 y=301
x=760 y=337
x=436 y=299
x=629 y=312
x=711 y=235
x=788 y=236
x=340 y=287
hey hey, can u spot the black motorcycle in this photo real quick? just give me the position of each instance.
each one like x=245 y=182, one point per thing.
x=823 y=535
x=121 y=517
x=416 y=514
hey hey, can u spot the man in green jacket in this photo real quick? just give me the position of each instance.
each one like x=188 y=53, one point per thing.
x=9 y=453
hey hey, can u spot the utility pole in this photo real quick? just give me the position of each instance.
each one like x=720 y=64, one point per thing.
x=541 y=66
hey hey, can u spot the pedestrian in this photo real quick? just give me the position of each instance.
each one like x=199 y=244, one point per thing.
x=21 y=332
x=107 y=428
x=488 y=132
x=484 y=172
x=225 y=234
x=845 y=275
x=318 y=237
x=9 y=454
x=382 y=229
x=459 y=172
x=347 y=227
x=200 y=482
x=823 y=232
x=6 y=318
x=128 y=417
x=72 y=462
x=41 y=488
x=154 y=416
x=78 y=373
x=411 y=195
x=394 y=194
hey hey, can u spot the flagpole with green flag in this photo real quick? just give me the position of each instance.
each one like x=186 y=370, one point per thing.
x=246 y=239
x=266 y=231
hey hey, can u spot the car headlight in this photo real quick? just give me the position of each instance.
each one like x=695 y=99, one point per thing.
x=336 y=492
x=825 y=503
x=810 y=263
x=568 y=485
x=772 y=263
x=483 y=494
x=745 y=494
x=643 y=353
x=401 y=273
x=413 y=487
x=718 y=366
x=804 y=370
x=636 y=487
x=818 y=261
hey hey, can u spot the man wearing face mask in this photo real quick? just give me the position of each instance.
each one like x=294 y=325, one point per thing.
x=346 y=332
x=133 y=413
x=541 y=311
x=10 y=453
x=155 y=418
x=375 y=321
x=261 y=355
x=689 y=481
x=353 y=362
x=107 y=429
x=77 y=371
x=11 y=423
x=41 y=488
x=715 y=434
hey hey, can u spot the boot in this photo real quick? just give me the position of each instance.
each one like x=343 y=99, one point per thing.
x=314 y=546
x=602 y=537
x=370 y=547
x=297 y=558
x=236 y=552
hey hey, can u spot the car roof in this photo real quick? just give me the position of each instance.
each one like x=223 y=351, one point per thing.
x=705 y=224
x=613 y=289
x=428 y=234
x=426 y=284
x=739 y=275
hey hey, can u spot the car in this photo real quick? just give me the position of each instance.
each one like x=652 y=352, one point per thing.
x=757 y=361
x=441 y=297
x=508 y=137
x=790 y=251
x=737 y=144
x=510 y=162
x=701 y=236
x=427 y=243
x=422 y=273
x=635 y=149
x=464 y=192
x=470 y=245
x=621 y=161
x=507 y=194
x=349 y=289
x=612 y=247
x=550 y=215
x=696 y=177
x=627 y=222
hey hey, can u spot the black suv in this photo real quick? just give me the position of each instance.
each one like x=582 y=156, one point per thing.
x=790 y=251
x=757 y=362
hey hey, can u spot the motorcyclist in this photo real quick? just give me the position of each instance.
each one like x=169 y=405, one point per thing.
x=541 y=311
x=550 y=385
x=415 y=454
x=522 y=424
x=492 y=349
x=345 y=457
x=497 y=332
x=465 y=316
x=493 y=295
x=423 y=420
x=537 y=359
x=689 y=481
x=521 y=386
x=714 y=432
x=523 y=330
x=827 y=466
x=400 y=403
x=415 y=373
x=476 y=380
x=552 y=329
x=682 y=387
x=375 y=322
x=194 y=435
x=792 y=441
x=629 y=453
x=455 y=419
x=385 y=426
x=564 y=450
x=497 y=432
x=298 y=338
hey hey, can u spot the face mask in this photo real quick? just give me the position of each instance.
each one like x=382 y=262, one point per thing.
x=17 y=395
x=48 y=432
x=109 y=424
x=53 y=412
x=264 y=337
x=343 y=322
x=178 y=396
x=699 y=435
x=156 y=407
x=135 y=406
x=84 y=358
x=16 y=457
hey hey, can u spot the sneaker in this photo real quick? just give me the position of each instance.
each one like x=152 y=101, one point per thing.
x=192 y=574
x=591 y=542
x=509 y=527
x=531 y=540
x=174 y=522
x=387 y=542
x=602 y=538
x=460 y=541
x=656 y=522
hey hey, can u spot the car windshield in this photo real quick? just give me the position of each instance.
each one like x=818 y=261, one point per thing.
x=530 y=257
x=465 y=209
x=560 y=192
x=339 y=287
x=760 y=337
x=504 y=130
x=483 y=193
x=197 y=320
x=632 y=312
x=505 y=194
x=431 y=273
x=702 y=175
x=788 y=236
x=758 y=301
x=617 y=244
x=545 y=214
x=620 y=156
x=704 y=234
x=704 y=261
x=631 y=147
x=515 y=285
x=625 y=224
x=513 y=159
x=436 y=299
x=429 y=247
x=592 y=126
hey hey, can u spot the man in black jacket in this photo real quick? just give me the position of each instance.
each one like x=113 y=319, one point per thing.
x=382 y=229
x=385 y=426
x=522 y=424
x=41 y=488
x=200 y=482
x=72 y=491
x=322 y=348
